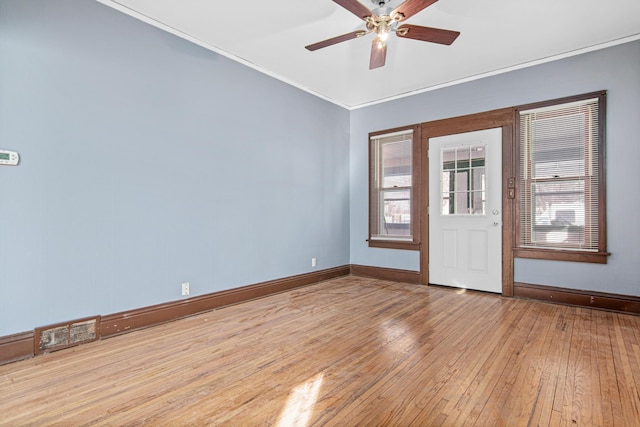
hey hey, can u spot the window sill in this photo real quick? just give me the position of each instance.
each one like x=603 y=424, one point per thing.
x=561 y=255
x=394 y=244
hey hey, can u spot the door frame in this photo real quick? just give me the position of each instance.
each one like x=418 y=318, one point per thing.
x=502 y=118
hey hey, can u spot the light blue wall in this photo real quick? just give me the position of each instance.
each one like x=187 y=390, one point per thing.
x=148 y=161
x=616 y=69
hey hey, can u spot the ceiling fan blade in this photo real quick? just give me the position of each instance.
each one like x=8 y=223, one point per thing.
x=335 y=40
x=355 y=7
x=411 y=7
x=378 y=55
x=427 y=34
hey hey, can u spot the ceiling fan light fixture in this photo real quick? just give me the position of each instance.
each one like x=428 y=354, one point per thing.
x=383 y=20
x=383 y=35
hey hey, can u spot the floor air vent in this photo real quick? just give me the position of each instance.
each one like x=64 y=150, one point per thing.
x=63 y=335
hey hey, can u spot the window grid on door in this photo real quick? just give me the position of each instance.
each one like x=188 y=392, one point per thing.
x=463 y=189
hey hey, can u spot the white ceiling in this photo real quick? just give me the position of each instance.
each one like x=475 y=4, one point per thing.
x=496 y=36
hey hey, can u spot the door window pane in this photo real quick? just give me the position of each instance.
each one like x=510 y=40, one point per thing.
x=463 y=181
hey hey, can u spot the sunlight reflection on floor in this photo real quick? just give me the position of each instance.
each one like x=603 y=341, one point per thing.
x=300 y=404
x=398 y=336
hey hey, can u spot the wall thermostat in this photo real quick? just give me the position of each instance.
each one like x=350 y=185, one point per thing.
x=9 y=158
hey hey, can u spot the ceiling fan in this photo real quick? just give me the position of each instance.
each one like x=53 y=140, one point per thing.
x=382 y=21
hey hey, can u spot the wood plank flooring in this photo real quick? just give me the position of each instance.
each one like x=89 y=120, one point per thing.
x=345 y=352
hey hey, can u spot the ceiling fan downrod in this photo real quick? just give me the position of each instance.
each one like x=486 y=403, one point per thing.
x=381 y=8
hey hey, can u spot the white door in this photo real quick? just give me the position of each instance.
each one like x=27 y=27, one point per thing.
x=465 y=210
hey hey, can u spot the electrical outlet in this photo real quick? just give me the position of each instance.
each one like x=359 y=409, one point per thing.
x=313 y=262
x=185 y=289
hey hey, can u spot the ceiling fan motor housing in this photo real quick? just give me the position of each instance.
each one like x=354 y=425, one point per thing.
x=382 y=9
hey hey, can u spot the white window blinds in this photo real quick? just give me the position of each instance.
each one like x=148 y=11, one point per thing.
x=559 y=176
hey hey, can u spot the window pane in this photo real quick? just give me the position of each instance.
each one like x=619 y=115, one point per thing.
x=558 y=148
x=478 y=156
x=397 y=212
x=396 y=164
x=462 y=180
x=448 y=182
x=462 y=157
x=447 y=207
x=449 y=158
x=478 y=203
x=462 y=203
x=558 y=203
x=478 y=181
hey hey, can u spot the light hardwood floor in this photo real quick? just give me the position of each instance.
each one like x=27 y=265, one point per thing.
x=349 y=351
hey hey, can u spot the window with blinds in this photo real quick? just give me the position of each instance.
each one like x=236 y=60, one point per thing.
x=391 y=181
x=561 y=188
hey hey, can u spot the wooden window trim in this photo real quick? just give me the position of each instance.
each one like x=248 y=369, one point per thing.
x=559 y=254
x=394 y=244
x=413 y=244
